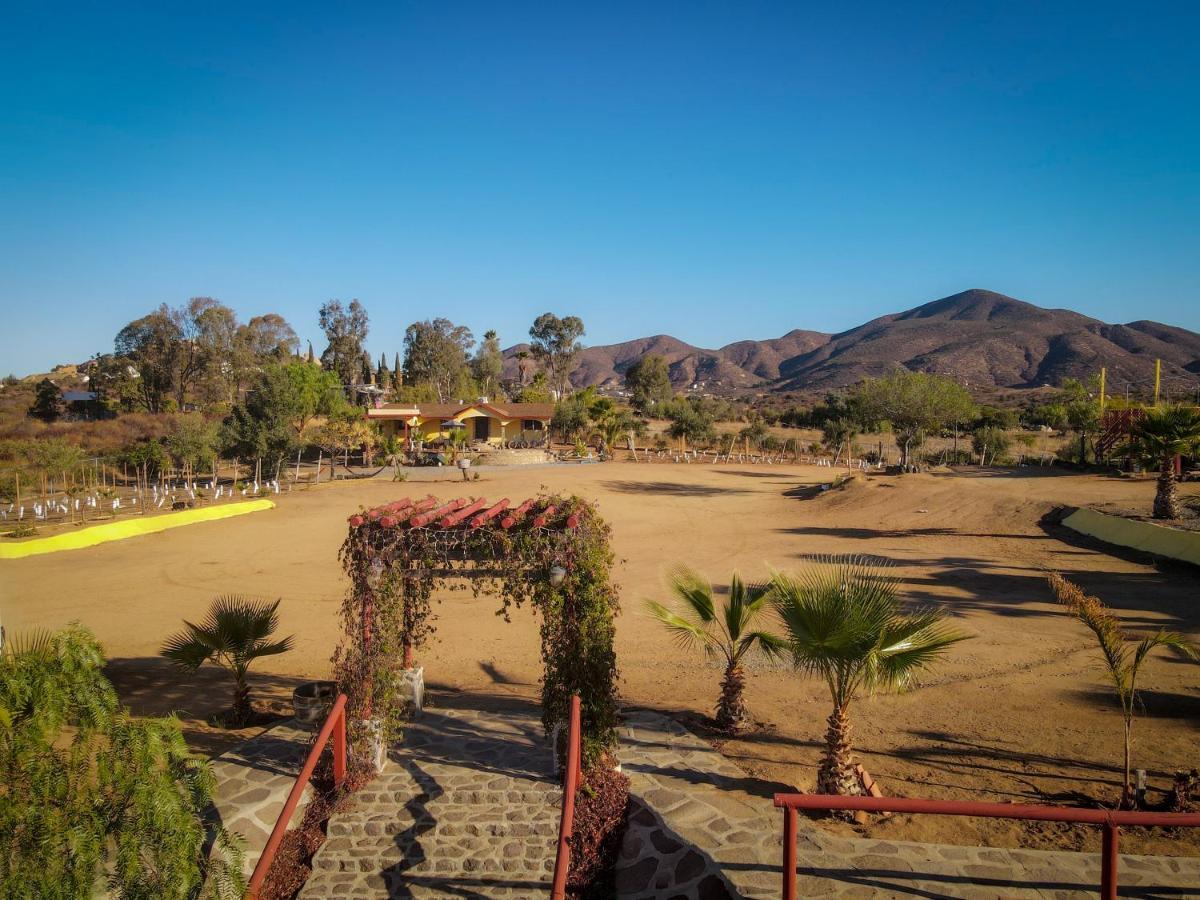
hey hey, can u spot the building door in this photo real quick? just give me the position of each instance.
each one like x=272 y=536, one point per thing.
x=482 y=428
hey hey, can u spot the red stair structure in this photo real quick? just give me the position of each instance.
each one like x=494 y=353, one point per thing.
x=1115 y=427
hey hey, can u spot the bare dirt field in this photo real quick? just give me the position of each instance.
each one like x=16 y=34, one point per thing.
x=1019 y=713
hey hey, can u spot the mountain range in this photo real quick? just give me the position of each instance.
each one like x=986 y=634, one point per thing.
x=985 y=339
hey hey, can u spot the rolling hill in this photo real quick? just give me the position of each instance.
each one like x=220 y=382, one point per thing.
x=986 y=339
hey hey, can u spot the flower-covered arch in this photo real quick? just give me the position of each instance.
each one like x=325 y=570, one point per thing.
x=551 y=552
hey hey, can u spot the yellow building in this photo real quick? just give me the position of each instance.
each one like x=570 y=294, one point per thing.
x=493 y=423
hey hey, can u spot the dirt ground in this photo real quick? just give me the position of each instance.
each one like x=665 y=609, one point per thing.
x=1019 y=713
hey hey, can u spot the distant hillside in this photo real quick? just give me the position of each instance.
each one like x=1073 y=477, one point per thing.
x=985 y=338
x=989 y=339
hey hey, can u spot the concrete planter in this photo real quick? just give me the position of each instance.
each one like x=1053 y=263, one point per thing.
x=410 y=688
x=376 y=747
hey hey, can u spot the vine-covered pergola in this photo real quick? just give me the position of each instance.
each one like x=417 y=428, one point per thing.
x=549 y=551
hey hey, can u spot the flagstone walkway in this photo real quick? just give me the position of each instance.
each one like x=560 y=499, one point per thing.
x=702 y=828
x=253 y=782
x=466 y=807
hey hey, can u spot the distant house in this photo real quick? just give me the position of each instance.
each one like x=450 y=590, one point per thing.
x=490 y=422
x=80 y=404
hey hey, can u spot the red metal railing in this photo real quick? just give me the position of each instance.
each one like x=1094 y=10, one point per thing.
x=335 y=726
x=566 y=824
x=1110 y=820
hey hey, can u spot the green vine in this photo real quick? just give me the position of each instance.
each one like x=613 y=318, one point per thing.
x=394 y=571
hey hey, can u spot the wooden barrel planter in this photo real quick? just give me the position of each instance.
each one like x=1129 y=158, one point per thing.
x=312 y=701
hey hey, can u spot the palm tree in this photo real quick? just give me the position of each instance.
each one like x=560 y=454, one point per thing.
x=844 y=623
x=729 y=634
x=1123 y=659
x=233 y=636
x=1156 y=439
x=616 y=424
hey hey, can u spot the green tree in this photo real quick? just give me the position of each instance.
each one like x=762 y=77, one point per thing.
x=914 y=403
x=261 y=341
x=990 y=442
x=1156 y=439
x=193 y=441
x=212 y=330
x=47 y=401
x=346 y=329
x=844 y=624
x=113 y=382
x=488 y=364
x=756 y=431
x=92 y=793
x=689 y=420
x=616 y=424
x=1082 y=412
x=729 y=633
x=383 y=376
x=435 y=352
x=150 y=345
x=345 y=434
x=536 y=391
x=1052 y=415
x=555 y=343
x=838 y=435
x=54 y=457
x=1122 y=657
x=995 y=417
x=572 y=415
x=269 y=338
x=278 y=408
x=236 y=632
x=648 y=381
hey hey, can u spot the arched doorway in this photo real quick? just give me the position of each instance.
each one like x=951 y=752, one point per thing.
x=551 y=552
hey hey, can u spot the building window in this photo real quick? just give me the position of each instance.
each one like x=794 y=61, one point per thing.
x=531 y=425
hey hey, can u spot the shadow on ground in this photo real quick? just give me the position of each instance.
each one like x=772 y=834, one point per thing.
x=151 y=686
x=669 y=488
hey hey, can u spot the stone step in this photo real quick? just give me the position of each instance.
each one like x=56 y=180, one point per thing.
x=517 y=821
x=543 y=794
x=467 y=807
x=323 y=885
x=437 y=853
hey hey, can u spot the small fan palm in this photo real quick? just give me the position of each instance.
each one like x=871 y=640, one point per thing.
x=235 y=634
x=616 y=424
x=844 y=623
x=1122 y=657
x=1157 y=438
x=729 y=634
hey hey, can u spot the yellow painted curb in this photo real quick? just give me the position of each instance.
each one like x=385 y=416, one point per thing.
x=1160 y=540
x=127 y=528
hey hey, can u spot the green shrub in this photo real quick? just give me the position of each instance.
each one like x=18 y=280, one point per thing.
x=92 y=793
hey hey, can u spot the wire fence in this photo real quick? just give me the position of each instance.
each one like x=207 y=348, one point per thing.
x=101 y=493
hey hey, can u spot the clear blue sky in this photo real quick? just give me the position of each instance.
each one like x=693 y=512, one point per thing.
x=715 y=172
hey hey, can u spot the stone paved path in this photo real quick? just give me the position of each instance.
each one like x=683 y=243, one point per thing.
x=702 y=828
x=254 y=780
x=466 y=807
